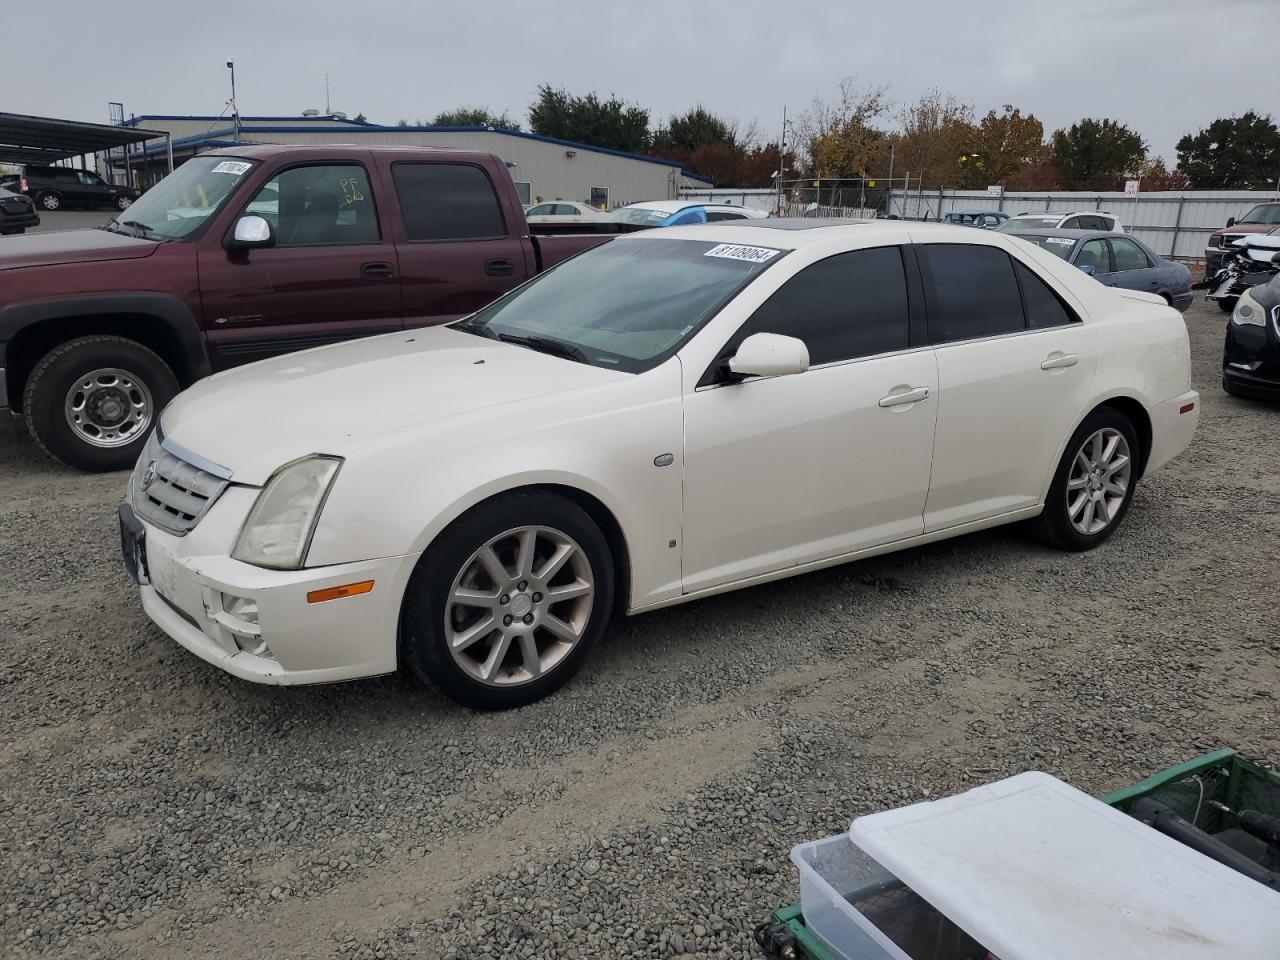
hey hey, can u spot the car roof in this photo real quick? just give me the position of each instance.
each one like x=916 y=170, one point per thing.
x=1060 y=215
x=794 y=233
x=675 y=206
x=978 y=213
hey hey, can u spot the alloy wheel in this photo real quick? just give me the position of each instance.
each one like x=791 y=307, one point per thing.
x=109 y=407
x=1099 y=481
x=519 y=606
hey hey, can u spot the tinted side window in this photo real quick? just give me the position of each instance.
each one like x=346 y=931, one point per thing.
x=971 y=292
x=850 y=305
x=447 y=201
x=542 y=210
x=1129 y=256
x=714 y=215
x=1044 y=309
x=326 y=203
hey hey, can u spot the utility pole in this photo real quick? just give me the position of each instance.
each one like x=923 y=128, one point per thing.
x=888 y=206
x=327 y=110
x=782 y=162
x=235 y=111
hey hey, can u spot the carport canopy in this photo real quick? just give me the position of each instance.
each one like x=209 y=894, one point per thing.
x=25 y=139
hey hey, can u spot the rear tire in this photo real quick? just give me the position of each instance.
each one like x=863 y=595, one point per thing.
x=1091 y=483
x=1226 y=305
x=479 y=652
x=49 y=200
x=92 y=401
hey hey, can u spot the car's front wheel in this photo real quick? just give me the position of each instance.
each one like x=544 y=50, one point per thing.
x=92 y=401
x=506 y=605
x=1094 y=483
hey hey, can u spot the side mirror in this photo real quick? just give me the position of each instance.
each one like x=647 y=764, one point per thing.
x=769 y=355
x=251 y=231
x=1088 y=269
x=1231 y=221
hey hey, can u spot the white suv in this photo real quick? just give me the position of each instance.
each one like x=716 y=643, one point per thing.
x=1071 y=220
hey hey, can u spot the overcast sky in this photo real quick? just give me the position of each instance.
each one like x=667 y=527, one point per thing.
x=1161 y=66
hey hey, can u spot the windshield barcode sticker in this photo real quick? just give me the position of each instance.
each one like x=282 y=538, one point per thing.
x=736 y=251
x=1062 y=240
x=233 y=167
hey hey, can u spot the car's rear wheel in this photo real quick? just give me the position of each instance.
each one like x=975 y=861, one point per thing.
x=1094 y=483
x=506 y=605
x=123 y=202
x=91 y=402
x=50 y=200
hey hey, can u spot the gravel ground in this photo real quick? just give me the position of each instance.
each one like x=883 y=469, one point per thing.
x=151 y=806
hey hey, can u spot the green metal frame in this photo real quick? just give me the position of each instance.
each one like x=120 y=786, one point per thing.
x=812 y=948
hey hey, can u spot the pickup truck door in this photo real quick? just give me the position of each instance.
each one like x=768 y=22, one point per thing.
x=460 y=244
x=331 y=275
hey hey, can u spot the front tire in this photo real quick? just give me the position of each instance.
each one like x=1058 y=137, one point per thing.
x=508 y=602
x=92 y=401
x=1093 y=486
x=123 y=203
x=50 y=201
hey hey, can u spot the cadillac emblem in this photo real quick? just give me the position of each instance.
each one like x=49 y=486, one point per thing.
x=149 y=474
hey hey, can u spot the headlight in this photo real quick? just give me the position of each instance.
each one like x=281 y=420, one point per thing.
x=1248 y=312
x=278 y=530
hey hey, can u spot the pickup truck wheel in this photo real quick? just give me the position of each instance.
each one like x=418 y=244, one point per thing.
x=124 y=203
x=91 y=402
x=506 y=605
x=1093 y=486
x=50 y=201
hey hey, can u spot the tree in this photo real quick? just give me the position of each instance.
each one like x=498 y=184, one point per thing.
x=693 y=129
x=475 y=117
x=757 y=167
x=588 y=119
x=1232 y=153
x=842 y=138
x=1156 y=176
x=1009 y=142
x=939 y=141
x=1098 y=154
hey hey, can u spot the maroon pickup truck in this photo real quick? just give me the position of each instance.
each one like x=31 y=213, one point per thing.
x=241 y=254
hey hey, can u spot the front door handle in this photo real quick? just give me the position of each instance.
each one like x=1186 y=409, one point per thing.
x=378 y=270
x=499 y=268
x=1059 y=360
x=911 y=395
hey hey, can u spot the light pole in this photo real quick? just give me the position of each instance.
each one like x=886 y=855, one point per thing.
x=235 y=111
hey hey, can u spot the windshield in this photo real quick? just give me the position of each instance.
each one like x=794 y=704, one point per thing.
x=639 y=216
x=1060 y=246
x=1262 y=213
x=182 y=201
x=628 y=304
x=1028 y=224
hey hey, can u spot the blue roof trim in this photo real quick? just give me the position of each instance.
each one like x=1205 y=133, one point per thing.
x=377 y=128
x=134 y=121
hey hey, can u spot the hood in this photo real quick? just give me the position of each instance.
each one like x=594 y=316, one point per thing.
x=70 y=246
x=254 y=419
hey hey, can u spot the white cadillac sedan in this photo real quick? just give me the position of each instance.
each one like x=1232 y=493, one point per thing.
x=674 y=414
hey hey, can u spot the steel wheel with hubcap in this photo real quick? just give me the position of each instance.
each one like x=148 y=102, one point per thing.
x=109 y=407
x=507 y=602
x=1093 y=486
x=1099 y=481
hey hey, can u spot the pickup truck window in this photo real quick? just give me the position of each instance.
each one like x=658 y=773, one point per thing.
x=320 y=204
x=184 y=200
x=448 y=201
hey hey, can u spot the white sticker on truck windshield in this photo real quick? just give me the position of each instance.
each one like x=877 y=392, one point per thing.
x=736 y=251
x=233 y=167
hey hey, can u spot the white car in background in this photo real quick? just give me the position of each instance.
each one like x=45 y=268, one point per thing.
x=671 y=415
x=562 y=211
x=1072 y=220
x=680 y=213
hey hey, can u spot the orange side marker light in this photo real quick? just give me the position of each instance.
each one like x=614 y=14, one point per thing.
x=337 y=593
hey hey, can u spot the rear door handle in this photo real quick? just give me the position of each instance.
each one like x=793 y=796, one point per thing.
x=913 y=395
x=499 y=268
x=1058 y=360
x=378 y=270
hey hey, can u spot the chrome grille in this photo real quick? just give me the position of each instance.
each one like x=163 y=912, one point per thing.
x=1228 y=239
x=170 y=492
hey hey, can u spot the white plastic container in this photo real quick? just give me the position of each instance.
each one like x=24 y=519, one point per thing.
x=858 y=908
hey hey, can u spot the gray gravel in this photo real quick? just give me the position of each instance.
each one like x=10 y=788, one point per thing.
x=151 y=806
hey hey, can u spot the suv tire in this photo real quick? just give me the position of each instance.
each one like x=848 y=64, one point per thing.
x=432 y=622
x=114 y=390
x=123 y=202
x=50 y=200
x=1069 y=520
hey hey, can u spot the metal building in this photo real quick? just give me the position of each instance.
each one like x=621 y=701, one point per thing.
x=543 y=168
